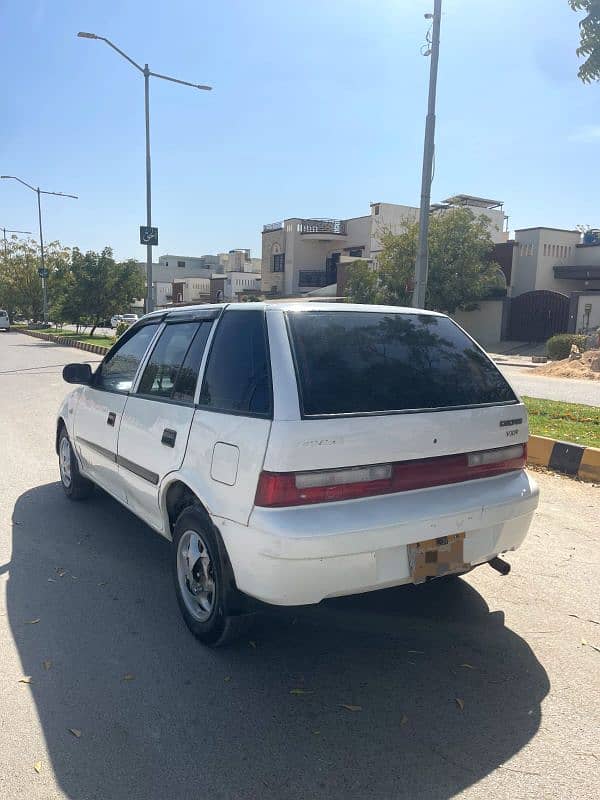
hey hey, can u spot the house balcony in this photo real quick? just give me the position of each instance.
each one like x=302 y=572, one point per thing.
x=272 y=226
x=577 y=273
x=322 y=229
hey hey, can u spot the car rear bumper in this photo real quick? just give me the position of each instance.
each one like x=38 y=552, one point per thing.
x=297 y=556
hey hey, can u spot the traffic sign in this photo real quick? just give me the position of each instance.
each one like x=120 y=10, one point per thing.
x=43 y=273
x=148 y=235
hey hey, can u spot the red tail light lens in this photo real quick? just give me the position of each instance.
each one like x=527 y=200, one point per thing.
x=278 y=489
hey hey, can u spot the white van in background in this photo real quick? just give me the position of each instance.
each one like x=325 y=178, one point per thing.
x=4 y=320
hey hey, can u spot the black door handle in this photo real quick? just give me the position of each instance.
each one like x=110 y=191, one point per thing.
x=111 y=419
x=168 y=437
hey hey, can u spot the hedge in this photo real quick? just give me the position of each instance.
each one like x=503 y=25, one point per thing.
x=559 y=347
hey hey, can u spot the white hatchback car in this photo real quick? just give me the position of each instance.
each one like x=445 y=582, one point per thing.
x=298 y=451
x=4 y=320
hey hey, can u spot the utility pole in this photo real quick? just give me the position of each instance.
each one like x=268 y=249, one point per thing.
x=422 y=263
x=42 y=270
x=5 y=231
x=149 y=237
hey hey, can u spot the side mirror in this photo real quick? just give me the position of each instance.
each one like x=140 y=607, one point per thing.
x=77 y=373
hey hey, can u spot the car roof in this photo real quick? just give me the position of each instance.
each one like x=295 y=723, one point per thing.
x=296 y=306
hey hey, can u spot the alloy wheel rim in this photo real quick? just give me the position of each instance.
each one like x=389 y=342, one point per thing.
x=196 y=575
x=65 y=461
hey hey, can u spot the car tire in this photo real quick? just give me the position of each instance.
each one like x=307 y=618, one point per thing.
x=75 y=486
x=201 y=575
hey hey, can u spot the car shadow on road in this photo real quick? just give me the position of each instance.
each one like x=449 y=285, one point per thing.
x=414 y=693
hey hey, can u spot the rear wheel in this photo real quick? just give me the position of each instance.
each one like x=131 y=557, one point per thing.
x=201 y=585
x=76 y=487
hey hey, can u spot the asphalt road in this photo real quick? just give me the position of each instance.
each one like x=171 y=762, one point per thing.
x=87 y=611
x=569 y=390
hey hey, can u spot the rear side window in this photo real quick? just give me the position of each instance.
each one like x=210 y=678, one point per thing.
x=237 y=378
x=165 y=363
x=352 y=362
x=3 y=313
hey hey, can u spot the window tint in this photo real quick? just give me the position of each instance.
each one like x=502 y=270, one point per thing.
x=237 y=376
x=360 y=362
x=166 y=359
x=117 y=371
x=185 y=385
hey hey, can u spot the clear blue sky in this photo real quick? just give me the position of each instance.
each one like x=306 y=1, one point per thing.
x=318 y=109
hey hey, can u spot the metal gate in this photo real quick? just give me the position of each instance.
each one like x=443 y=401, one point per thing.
x=538 y=315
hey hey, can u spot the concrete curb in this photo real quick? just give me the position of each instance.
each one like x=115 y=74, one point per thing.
x=68 y=341
x=566 y=457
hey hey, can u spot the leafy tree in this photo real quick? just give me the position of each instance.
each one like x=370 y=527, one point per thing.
x=589 y=47
x=461 y=270
x=99 y=287
x=361 y=282
x=20 y=284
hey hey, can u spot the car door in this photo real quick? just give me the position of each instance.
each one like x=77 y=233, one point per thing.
x=101 y=404
x=231 y=425
x=158 y=413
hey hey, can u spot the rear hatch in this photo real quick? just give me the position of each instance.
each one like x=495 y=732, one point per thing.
x=390 y=401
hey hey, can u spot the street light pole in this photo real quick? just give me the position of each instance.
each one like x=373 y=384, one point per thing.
x=39 y=192
x=149 y=297
x=147 y=73
x=422 y=263
x=8 y=230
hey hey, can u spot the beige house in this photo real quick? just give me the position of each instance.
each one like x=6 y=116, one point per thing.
x=301 y=255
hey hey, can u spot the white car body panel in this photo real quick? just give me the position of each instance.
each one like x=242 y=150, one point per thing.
x=302 y=554
x=140 y=448
x=95 y=440
x=4 y=320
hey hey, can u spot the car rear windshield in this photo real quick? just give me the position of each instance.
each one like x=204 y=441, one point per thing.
x=358 y=362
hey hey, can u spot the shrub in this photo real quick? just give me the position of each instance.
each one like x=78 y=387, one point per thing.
x=121 y=328
x=559 y=347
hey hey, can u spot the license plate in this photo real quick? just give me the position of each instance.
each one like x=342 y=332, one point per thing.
x=436 y=557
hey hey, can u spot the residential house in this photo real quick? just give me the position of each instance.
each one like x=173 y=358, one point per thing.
x=300 y=255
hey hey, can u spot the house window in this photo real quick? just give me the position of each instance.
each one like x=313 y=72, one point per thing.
x=181 y=264
x=376 y=210
x=278 y=262
x=355 y=252
x=545 y=249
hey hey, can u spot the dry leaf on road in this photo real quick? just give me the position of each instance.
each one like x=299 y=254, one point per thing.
x=38 y=767
x=25 y=679
x=460 y=703
x=128 y=677
x=349 y=707
x=403 y=719
x=252 y=645
x=75 y=731
x=301 y=691
x=46 y=664
x=468 y=666
x=32 y=621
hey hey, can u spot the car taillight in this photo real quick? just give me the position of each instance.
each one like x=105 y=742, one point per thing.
x=277 y=489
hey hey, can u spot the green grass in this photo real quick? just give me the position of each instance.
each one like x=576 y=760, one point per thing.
x=570 y=422
x=104 y=341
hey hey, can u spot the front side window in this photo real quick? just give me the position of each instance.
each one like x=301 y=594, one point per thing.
x=117 y=372
x=164 y=364
x=237 y=377
x=279 y=262
x=356 y=362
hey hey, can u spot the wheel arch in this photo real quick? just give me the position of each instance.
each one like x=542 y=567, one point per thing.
x=175 y=497
x=60 y=424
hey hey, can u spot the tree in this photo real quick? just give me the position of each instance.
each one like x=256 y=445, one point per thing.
x=20 y=284
x=361 y=282
x=461 y=269
x=98 y=287
x=589 y=47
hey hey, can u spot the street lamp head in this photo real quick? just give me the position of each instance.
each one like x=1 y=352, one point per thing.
x=7 y=176
x=84 y=35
